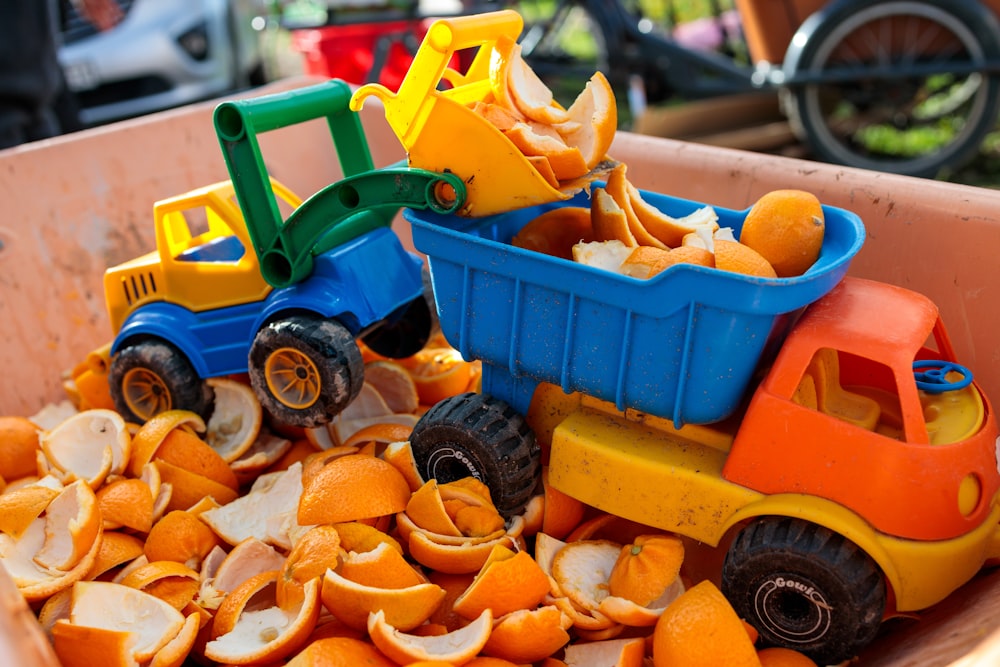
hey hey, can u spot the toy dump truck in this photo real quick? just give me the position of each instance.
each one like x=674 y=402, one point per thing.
x=819 y=428
x=249 y=278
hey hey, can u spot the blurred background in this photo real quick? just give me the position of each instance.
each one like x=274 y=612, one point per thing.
x=168 y=53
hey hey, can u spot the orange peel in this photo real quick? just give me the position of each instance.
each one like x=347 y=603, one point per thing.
x=458 y=646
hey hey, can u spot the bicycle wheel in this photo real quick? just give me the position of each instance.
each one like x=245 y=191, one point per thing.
x=564 y=42
x=916 y=123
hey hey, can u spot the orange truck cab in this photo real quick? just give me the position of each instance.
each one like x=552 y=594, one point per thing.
x=836 y=435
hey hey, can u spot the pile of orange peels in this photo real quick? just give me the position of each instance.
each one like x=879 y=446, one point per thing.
x=240 y=541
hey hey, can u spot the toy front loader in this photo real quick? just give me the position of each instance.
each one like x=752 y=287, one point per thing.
x=288 y=312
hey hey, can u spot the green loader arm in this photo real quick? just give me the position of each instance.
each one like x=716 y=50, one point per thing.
x=365 y=199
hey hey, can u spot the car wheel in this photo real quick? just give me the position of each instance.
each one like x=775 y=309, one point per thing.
x=305 y=370
x=153 y=376
x=804 y=587
x=472 y=435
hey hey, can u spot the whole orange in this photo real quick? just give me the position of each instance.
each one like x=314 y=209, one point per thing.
x=787 y=228
x=701 y=629
x=18 y=447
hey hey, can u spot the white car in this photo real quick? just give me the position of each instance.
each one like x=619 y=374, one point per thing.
x=163 y=54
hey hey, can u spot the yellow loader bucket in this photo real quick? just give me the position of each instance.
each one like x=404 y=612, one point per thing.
x=442 y=133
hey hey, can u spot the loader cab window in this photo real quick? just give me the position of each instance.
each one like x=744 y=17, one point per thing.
x=202 y=236
x=853 y=389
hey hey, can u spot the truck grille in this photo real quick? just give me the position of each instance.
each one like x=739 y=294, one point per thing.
x=138 y=287
x=75 y=28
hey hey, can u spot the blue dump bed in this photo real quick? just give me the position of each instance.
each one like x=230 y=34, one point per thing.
x=682 y=345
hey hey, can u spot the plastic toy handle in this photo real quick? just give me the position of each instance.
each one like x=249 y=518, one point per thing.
x=407 y=110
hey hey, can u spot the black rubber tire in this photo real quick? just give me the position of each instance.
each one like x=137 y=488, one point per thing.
x=479 y=436
x=804 y=587
x=152 y=376
x=336 y=376
x=807 y=106
x=406 y=333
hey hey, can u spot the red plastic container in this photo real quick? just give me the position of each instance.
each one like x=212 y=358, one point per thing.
x=349 y=51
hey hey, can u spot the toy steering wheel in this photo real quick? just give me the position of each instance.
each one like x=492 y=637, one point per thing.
x=931 y=376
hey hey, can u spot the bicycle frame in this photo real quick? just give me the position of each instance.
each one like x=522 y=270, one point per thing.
x=665 y=64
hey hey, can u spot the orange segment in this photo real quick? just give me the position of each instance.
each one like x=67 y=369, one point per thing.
x=85 y=646
x=316 y=551
x=151 y=621
x=555 y=232
x=667 y=229
x=353 y=487
x=394 y=384
x=783 y=657
x=90 y=445
x=186 y=450
x=400 y=456
x=339 y=652
x=72 y=527
x=150 y=435
x=567 y=162
x=611 y=652
x=115 y=549
x=188 y=488
x=382 y=567
x=646 y=568
x=582 y=568
x=528 y=635
x=595 y=117
x=250 y=628
x=236 y=418
x=507 y=582
x=530 y=94
x=404 y=608
x=128 y=503
x=740 y=258
x=182 y=537
x=461 y=558
x=458 y=646
x=20 y=507
x=610 y=220
x=701 y=628
x=786 y=227
x=426 y=509
x=174 y=583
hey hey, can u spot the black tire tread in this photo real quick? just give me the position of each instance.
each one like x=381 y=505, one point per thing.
x=188 y=391
x=766 y=539
x=501 y=432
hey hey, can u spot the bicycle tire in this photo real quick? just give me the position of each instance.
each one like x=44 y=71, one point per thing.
x=861 y=122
